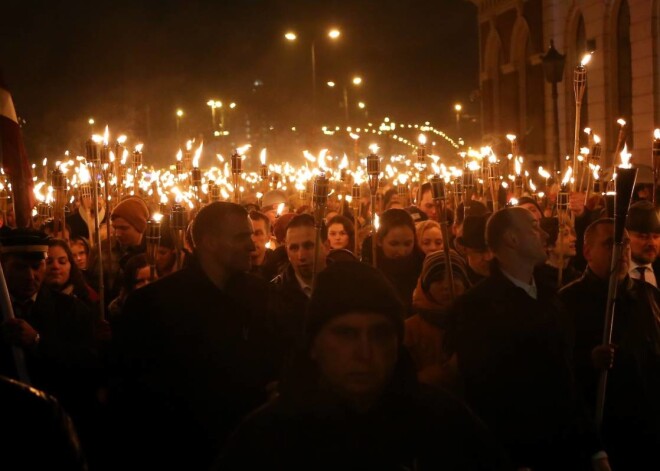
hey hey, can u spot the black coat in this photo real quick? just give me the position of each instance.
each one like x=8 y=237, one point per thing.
x=289 y=308
x=193 y=360
x=631 y=425
x=410 y=428
x=513 y=355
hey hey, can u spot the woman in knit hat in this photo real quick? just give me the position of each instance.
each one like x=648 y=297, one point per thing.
x=351 y=399
x=425 y=330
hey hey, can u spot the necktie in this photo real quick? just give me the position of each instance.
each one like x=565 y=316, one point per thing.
x=642 y=273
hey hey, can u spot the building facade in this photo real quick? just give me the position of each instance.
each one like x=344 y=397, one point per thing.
x=623 y=77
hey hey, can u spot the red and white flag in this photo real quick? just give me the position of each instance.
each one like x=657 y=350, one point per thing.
x=14 y=158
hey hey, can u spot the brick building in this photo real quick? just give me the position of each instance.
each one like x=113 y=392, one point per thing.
x=623 y=77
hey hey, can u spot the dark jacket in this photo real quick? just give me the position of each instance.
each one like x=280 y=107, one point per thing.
x=37 y=433
x=410 y=428
x=513 y=355
x=289 y=308
x=194 y=359
x=549 y=275
x=631 y=425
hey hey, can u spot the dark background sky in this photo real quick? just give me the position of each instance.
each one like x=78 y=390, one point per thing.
x=132 y=64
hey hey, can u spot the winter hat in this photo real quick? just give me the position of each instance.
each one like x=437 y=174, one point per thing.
x=345 y=287
x=643 y=218
x=135 y=211
x=474 y=232
x=434 y=268
x=279 y=228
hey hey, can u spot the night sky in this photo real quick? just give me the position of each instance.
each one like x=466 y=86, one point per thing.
x=132 y=64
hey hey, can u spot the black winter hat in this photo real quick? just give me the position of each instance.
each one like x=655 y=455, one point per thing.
x=474 y=232
x=345 y=287
x=642 y=217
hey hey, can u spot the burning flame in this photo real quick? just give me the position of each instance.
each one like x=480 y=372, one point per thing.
x=656 y=134
x=595 y=169
x=544 y=173
x=308 y=155
x=374 y=148
x=344 y=162
x=189 y=145
x=262 y=156
x=280 y=208
x=567 y=176
x=157 y=217
x=121 y=139
x=106 y=135
x=268 y=244
x=586 y=59
x=511 y=137
x=518 y=166
x=587 y=131
x=621 y=122
x=376 y=222
x=242 y=150
x=138 y=148
x=532 y=186
x=198 y=155
x=625 y=157
x=596 y=139
x=354 y=136
x=421 y=139
x=179 y=155
x=97 y=139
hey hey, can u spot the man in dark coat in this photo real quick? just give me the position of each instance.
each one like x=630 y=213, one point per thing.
x=351 y=400
x=513 y=349
x=194 y=348
x=631 y=424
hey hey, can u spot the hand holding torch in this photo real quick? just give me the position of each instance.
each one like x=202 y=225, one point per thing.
x=373 y=172
x=236 y=170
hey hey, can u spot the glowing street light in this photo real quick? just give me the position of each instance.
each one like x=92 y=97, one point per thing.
x=361 y=105
x=458 y=108
x=179 y=115
x=291 y=36
x=334 y=33
x=357 y=80
x=331 y=84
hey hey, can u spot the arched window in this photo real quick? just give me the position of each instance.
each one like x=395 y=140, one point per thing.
x=623 y=70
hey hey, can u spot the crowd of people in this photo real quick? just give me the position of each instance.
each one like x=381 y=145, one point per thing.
x=273 y=339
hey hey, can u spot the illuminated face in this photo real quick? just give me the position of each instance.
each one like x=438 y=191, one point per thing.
x=58 y=268
x=235 y=245
x=356 y=354
x=79 y=255
x=644 y=247
x=431 y=240
x=530 y=238
x=165 y=260
x=427 y=206
x=338 y=237
x=142 y=277
x=300 y=243
x=565 y=245
x=126 y=234
x=399 y=242
x=260 y=238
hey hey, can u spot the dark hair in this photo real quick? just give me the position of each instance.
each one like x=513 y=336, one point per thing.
x=590 y=231
x=395 y=218
x=131 y=268
x=348 y=227
x=259 y=216
x=300 y=220
x=82 y=241
x=421 y=190
x=75 y=275
x=212 y=219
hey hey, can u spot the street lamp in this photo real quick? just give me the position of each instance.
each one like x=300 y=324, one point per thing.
x=214 y=104
x=458 y=108
x=292 y=36
x=357 y=81
x=179 y=115
x=553 y=70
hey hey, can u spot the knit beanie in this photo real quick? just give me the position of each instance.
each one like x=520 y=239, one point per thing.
x=279 y=228
x=135 y=211
x=345 y=287
x=434 y=268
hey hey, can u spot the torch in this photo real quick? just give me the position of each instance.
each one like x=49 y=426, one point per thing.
x=59 y=184
x=421 y=153
x=655 y=158
x=196 y=179
x=319 y=203
x=562 y=211
x=105 y=170
x=468 y=186
x=153 y=243
x=373 y=172
x=236 y=170
x=93 y=161
x=214 y=192
x=579 y=85
x=594 y=159
x=440 y=200
x=492 y=177
x=357 y=197
x=137 y=164
x=4 y=202
x=624 y=184
x=402 y=190
x=263 y=171
x=620 y=142
x=178 y=224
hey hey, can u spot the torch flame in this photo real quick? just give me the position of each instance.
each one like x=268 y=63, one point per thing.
x=242 y=150
x=587 y=130
x=376 y=222
x=421 y=139
x=179 y=155
x=198 y=155
x=567 y=176
x=138 y=148
x=121 y=139
x=585 y=59
x=280 y=208
x=596 y=139
x=656 y=134
x=157 y=217
x=344 y=162
x=517 y=167
x=532 y=186
x=544 y=173
x=354 y=136
x=625 y=157
x=97 y=139
x=262 y=156
x=308 y=155
x=511 y=137
x=106 y=135
x=595 y=168
x=621 y=122
x=189 y=145
x=374 y=148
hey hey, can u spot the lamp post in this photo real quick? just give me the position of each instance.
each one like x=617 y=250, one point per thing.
x=179 y=115
x=332 y=34
x=553 y=70
x=458 y=108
